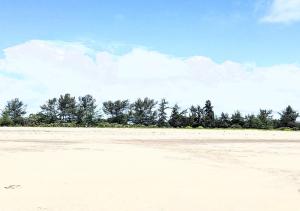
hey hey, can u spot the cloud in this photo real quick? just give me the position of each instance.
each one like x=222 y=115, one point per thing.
x=51 y=68
x=283 y=11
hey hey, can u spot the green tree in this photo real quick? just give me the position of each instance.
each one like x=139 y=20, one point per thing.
x=288 y=117
x=266 y=118
x=67 y=108
x=34 y=120
x=178 y=118
x=86 y=110
x=209 y=115
x=162 y=115
x=49 y=111
x=237 y=119
x=117 y=111
x=196 y=116
x=143 y=112
x=5 y=120
x=251 y=121
x=15 y=111
x=223 y=121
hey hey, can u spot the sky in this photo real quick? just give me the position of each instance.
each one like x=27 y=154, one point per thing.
x=241 y=54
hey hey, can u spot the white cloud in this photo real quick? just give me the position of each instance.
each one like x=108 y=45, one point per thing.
x=51 y=68
x=283 y=11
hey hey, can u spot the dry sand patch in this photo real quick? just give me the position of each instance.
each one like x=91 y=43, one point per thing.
x=148 y=169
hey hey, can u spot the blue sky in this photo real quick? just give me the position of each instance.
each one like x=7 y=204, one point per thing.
x=222 y=30
x=240 y=54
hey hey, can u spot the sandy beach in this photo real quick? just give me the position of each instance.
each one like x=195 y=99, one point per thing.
x=83 y=169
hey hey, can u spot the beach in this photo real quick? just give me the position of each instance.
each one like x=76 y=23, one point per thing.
x=112 y=169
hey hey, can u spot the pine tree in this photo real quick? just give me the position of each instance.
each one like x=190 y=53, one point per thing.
x=86 y=110
x=67 y=108
x=288 y=117
x=49 y=111
x=196 y=116
x=117 y=111
x=162 y=115
x=209 y=116
x=143 y=112
x=223 y=121
x=265 y=117
x=15 y=110
x=178 y=118
x=237 y=120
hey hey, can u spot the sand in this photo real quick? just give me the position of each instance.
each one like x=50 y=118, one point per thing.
x=61 y=169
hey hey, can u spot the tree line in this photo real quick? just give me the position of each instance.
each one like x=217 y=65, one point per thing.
x=67 y=111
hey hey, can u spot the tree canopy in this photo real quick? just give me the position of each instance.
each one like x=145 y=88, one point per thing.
x=288 y=117
x=67 y=111
x=14 y=112
x=116 y=111
x=162 y=113
x=143 y=111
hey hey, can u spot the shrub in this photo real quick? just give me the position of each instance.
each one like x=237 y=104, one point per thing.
x=285 y=129
x=236 y=126
x=5 y=120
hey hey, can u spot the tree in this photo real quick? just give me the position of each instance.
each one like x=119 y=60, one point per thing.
x=223 y=121
x=178 y=118
x=209 y=116
x=15 y=111
x=117 y=111
x=288 y=117
x=266 y=118
x=162 y=115
x=237 y=119
x=5 y=120
x=251 y=121
x=86 y=110
x=67 y=108
x=196 y=116
x=34 y=120
x=142 y=112
x=49 y=111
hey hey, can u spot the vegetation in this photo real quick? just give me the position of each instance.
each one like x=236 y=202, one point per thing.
x=13 y=113
x=162 y=120
x=66 y=111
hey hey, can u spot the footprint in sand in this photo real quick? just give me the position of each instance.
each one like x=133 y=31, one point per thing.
x=12 y=187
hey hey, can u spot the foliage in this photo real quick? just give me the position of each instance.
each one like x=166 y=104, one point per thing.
x=67 y=108
x=65 y=111
x=86 y=110
x=223 y=121
x=14 y=111
x=196 y=116
x=236 y=126
x=162 y=115
x=237 y=119
x=178 y=118
x=288 y=117
x=209 y=115
x=251 y=121
x=49 y=111
x=5 y=120
x=117 y=111
x=143 y=112
x=265 y=117
x=34 y=120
